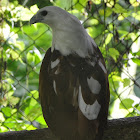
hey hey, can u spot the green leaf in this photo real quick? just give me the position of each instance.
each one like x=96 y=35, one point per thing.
x=14 y=100
x=35 y=94
x=34 y=8
x=2 y=119
x=10 y=123
x=119 y=9
x=3 y=129
x=117 y=78
x=65 y=4
x=113 y=53
x=126 y=82
x=96 y=1
x=33 y=110
x=7 y=111
x=123 y=15
x=136 y=15
x=41 y=120
x=37 y=56
x=20 y=45
x=126 y=103
x=137 y=106
x=107 y=13
x=34 y=56
x=110 y=3
x=94 y=21
x=137 y=53
x=4 y=3
x=133 y=36
x=108 y=38
x=30 y=57
x=30 y=127
x=123 y=33
x=136 y=60
x=94 y=32
x=14 y=54
x=134 y=3
x=26 y=14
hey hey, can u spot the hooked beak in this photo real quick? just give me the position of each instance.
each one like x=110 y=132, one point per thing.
x=35 y=19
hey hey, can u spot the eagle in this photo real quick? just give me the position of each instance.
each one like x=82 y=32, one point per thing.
x=73 y=80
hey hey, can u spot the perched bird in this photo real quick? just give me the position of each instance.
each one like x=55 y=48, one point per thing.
x=73 y=81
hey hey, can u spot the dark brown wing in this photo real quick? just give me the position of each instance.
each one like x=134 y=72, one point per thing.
x=74 y=95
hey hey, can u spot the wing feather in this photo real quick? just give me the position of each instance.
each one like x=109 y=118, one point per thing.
x=74 y=94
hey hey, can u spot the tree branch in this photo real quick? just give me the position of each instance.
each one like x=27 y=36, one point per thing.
x=117 y=129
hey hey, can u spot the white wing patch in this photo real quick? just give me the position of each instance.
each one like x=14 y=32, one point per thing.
x=92 y=63
x=57 y=71
x=94 y=85
x=54 y=86
x=102 y=66
x=89 y=111
x=55 y=63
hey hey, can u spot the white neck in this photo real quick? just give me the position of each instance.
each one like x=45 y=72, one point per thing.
x=72 y=40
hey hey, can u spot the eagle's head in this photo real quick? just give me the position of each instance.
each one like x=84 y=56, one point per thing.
x=55 y=17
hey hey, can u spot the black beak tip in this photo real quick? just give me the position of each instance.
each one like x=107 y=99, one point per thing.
x=33 y=20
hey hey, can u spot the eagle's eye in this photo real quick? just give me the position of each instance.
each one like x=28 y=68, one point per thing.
x=44 y=13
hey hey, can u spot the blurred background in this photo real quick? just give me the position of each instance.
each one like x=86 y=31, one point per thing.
x=115 y=27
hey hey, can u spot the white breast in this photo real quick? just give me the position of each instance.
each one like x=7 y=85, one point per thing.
x=74 y=40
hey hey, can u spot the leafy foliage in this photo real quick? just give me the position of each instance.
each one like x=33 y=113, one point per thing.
x=113 y=25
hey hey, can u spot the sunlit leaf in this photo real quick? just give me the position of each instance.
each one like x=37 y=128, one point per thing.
x=96 y=1
x=136 y=15
x=14 y=101
x=25 y=14
x=113 y=53
x=5 y=31
x=7 y=111
x=119 y=9
x=2 y=119
x=138 y=53
x=107 y=12
x=117 y=78
x=126 y=103
x=34 y=8
x=37 y=56
x=14 y=54
x=123 y=15
x=93 y=22
x=3 y=129
x=93 y=31
x=108 y=38
x=126 y=82
x=136 y=60
x=20 y=45
x=35 y=94
x=110 y=3
x=30 y=127
x=10 y=123
x=65 y=4
x=134 y=3
x=41 y=120
x=30 y=57
x=137 y=107
x=123 y=33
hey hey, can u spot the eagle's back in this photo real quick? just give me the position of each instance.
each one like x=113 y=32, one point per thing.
x=74 y=95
